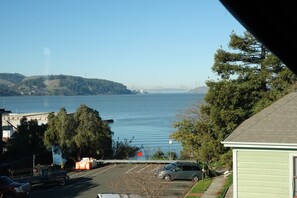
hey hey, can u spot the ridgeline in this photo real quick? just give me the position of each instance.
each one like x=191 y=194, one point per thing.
x=20 y=85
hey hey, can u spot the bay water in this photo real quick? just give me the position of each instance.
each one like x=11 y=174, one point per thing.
x=146 y=119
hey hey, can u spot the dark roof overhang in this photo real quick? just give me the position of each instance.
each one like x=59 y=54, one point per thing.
x=273 y=23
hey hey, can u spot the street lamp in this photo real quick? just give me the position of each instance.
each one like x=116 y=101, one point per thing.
x=2 y=111
x=170 y=142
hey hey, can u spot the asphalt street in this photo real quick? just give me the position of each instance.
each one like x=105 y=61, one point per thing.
x=114 y=178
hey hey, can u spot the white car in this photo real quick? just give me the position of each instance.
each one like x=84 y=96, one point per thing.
x=116 y=195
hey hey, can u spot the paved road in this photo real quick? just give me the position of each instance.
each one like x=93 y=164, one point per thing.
x=113 y=178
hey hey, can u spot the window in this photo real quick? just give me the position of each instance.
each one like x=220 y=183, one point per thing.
x=170 y=166
x=187 y=168
x=178 y=168
x=196 y=168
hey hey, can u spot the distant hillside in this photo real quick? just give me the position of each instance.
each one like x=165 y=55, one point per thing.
x=18 y=84
x=199 y=90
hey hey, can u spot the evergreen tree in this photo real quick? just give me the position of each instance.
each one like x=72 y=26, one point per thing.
x=250 y=78
x=82 y=134
x=25 y=143
x=60 y=133
x=93 y=135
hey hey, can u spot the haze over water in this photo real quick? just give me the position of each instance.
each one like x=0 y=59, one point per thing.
x=147 y=118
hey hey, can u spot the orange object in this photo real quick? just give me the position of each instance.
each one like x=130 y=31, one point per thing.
x=139 y=154
x=86 y=164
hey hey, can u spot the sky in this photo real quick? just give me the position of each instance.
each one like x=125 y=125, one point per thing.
x=143 y=44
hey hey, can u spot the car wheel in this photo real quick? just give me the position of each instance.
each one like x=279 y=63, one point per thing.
x=167 y=178
x=62 y=181
x=195 y=178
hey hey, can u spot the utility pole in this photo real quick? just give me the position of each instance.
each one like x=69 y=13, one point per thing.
x=2 y=111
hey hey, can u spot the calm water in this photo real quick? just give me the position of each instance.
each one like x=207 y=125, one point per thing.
x=148 y=118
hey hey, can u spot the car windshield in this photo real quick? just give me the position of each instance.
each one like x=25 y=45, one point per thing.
x=5 y=181
x=169 y=166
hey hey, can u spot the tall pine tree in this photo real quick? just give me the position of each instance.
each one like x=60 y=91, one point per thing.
x=249 y=79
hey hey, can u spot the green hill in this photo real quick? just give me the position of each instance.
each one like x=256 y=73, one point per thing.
x=18 y=84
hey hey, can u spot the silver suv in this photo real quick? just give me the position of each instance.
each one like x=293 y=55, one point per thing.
x=180 y=170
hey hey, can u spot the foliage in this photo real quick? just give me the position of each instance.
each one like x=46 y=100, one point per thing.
x=158 y=155
x=7 y=91
x=227 y=160
x=172 y=155
x=13 y=78
x=82 y=134
x=198 y=143
x=60 y=132
x=77 y=135
x=17 y=84
x=249 y=79
x=82 y=86
x=93 y=135
x=124 y=149
x=28 y=140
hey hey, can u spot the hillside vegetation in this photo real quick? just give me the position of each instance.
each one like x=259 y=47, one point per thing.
x=18 y=84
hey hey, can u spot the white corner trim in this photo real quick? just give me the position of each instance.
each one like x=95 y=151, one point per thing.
x=291 y=170
x=235 y=187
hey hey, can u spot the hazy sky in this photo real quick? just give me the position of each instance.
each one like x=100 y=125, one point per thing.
x=140 y=43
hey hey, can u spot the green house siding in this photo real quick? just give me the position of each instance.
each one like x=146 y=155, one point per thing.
x=262 y=174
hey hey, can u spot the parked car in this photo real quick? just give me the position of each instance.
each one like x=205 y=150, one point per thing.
x=116 y=195
x=180 y=170
x=10 y=188
x=42 y=175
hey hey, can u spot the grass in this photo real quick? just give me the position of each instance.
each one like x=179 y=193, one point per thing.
x=199 y=188
x=227 y=184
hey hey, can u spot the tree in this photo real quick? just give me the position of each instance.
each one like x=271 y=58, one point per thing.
x=158 y=155
x=26 y=142
x=124 y=149
x=196 y=137
x=93 y=135
x=60 y=133
x=81 y=134
x=250 y=78
x=172 y=155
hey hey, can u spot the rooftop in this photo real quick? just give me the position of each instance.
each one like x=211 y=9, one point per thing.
x=276 y=124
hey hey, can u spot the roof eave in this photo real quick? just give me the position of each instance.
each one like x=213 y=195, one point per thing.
x=260 y=145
